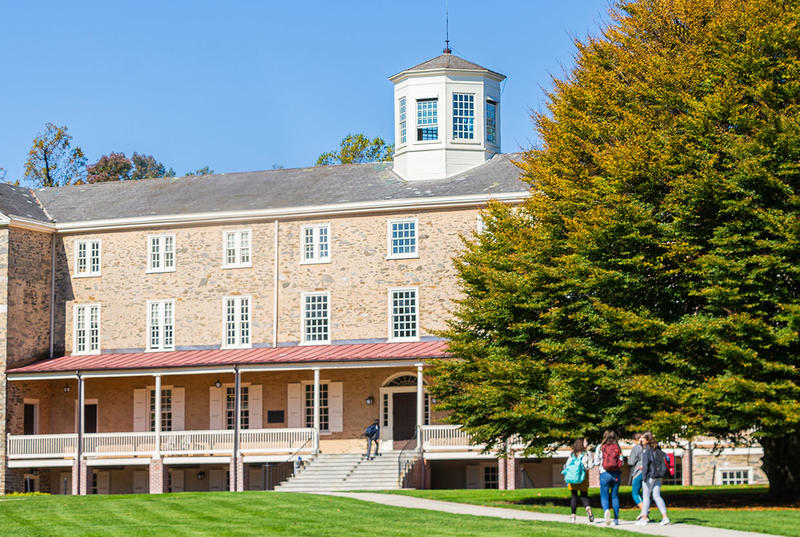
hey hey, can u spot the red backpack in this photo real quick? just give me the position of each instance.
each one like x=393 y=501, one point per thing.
x=611 y=457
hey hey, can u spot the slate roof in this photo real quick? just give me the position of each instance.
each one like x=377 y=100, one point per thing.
x=19 y=201
x=272 y=189
x=272 y=355
x=450 y=61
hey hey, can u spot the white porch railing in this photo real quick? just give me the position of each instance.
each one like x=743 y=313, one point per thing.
x=118 y=444
x=42 y=446
x=447 y=438
x=276 y=441
x=197 y=442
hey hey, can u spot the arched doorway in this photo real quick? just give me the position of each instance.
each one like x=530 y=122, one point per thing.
x=398 y=410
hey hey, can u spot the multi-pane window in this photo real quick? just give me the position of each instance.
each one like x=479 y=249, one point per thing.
x=237 y=249
x=491 y=477
x=324 y=422
x=427 y=120
x=463 y=116
x=166 y=409
x=402 y=120
x=87 y=329
x=385 y=409
x=230 y=408
x=403 y=319
x=402 y=238
x=161 y=253
x=87 y=258
x=316 y=318
x=236 y=321
x=161 y=325
x=491 y=122
x=735 y=477
x=316 y=243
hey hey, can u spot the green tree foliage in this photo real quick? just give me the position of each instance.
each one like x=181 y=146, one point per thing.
x=357 y=148
x=205 y=170
x=652 y=279
x=111 y=167
x=52 y=161
x=146 y=167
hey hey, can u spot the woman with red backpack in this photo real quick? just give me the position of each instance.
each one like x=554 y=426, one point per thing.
x=576 y=475
x=654 y=469
x=608 y=457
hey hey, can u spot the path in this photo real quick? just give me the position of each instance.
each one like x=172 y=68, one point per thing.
x=674 y=530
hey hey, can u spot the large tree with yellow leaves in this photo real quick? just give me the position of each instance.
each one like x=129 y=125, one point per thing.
x=652 y=280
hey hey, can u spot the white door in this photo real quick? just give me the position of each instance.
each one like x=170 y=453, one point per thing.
x=140 y=482
x=474 y=477
x=215 y=480
x=103 y=482
x=256 y=477
x=176 y=481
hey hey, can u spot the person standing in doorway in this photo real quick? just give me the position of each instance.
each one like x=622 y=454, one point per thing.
x=654 y=469
x=576 y=475
x=608 y=457
x=635 y=463
x=373 y=434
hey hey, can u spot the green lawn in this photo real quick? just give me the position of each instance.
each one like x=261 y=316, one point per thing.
x=741 y=508
x=221 y=514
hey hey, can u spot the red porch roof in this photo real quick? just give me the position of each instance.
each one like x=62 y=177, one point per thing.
x=277 y=355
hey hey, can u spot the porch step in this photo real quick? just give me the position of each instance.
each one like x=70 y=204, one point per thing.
x=346 y=472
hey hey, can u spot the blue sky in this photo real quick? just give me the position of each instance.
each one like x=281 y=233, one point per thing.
x=245 y=85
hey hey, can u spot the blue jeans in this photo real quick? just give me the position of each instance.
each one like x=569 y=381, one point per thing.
x=637 y=489
x=609 y=482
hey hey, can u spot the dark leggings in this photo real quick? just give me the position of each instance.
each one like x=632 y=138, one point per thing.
x=573 y=502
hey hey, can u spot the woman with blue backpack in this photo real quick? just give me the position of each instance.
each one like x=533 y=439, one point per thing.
x=654 y=469
x=576 y=475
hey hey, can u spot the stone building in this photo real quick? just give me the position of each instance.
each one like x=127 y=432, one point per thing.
x=212 y=332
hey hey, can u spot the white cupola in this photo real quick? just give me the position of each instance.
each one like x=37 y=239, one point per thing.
x=446 y=117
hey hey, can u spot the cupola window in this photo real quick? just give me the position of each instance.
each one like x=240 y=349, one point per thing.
x=402 y=120
x=463 y=116
x=491 y=121
x=427 y=120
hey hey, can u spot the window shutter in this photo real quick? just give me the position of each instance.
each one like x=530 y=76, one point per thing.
x=295 y=405
x=103 y=482
x=176 y=480
x=255 y=406
x=178 y=406
x=139 y=411
x=335 y=407
x=215 y=409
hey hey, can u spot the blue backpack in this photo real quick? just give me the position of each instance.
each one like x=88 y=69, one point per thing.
x=574 y=471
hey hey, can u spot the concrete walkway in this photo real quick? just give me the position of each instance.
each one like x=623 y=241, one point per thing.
x=674 y=530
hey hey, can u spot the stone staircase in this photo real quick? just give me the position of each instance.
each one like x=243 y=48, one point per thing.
x=348 y=471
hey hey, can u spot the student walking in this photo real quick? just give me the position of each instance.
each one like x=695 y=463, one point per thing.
x=654 y=469
x=373 y=434
x=576 y=475
x=635 y=463
x=608 y=457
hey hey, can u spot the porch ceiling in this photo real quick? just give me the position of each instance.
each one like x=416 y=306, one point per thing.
x=314 y=355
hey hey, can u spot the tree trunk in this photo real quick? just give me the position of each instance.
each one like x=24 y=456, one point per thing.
x=781 y=463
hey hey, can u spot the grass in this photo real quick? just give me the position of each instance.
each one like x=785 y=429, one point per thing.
x=223 y=514
x=744 y=508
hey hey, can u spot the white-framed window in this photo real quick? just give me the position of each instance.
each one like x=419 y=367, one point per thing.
x=316 y=318
x=230 y=407
x=236 y=322
x=402 y=116
x=86 y=322
x=315 y=245
x=463 y=116
x=161 y=253
x=87 y=257
x=402 y=238
x=734 y=476
x=324 y=413
x=491 y=121
x=403 y=314
x=166 y=409
x=427 y=119
x=161 y=325
x=236 y=247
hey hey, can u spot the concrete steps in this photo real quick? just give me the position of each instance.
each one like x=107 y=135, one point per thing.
x=347 y=472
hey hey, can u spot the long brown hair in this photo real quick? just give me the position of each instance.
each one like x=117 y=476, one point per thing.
x=651 y=441
x=577 y=446
x=610 y=437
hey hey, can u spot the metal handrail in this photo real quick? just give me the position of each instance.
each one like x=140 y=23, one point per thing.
x=400 y=468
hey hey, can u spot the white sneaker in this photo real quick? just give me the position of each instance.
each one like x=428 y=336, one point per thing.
x=665 y=521
x=608 y=517
x=572 y=519
x=642 y=521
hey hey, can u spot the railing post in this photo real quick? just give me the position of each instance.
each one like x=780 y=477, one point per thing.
x=420 y=406
x=316 y=410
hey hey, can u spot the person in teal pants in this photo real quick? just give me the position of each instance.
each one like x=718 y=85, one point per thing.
x=635 y=463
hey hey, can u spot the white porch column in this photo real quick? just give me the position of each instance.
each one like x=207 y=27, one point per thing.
x=316 y=409
x=157 y=411
x=81 y=476
x=420 y=405
x=235 y=482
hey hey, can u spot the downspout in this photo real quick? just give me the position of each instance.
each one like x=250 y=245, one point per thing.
x=52 y=292
x=275 y=291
